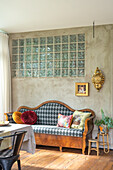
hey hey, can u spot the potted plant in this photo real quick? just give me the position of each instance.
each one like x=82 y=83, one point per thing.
x=105 y=123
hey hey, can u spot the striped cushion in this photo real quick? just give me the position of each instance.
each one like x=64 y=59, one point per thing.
x=54 y=130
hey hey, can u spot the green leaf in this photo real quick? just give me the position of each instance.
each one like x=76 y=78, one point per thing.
x=105 y=121
x=103 y=116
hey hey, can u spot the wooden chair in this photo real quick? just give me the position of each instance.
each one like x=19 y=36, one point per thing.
x=1 y=140
x=97 y=146
x=9 y=156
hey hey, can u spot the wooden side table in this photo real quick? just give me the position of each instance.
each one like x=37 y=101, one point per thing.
x=97 y=146
x=103 y=143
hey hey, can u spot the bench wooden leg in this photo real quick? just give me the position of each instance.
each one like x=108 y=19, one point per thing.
x=60 y=149
x=83 y=151
x=84 y=144
x=89 y=149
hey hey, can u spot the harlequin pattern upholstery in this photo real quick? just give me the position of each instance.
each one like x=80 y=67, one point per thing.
x=54 y=130
x=48 y=113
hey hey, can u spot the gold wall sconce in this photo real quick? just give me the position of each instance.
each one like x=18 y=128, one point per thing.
x=98 y=79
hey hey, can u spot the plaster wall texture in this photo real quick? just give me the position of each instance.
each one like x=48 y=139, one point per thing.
x=99 y=53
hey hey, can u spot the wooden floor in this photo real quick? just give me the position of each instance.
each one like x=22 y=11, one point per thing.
x=50 y=158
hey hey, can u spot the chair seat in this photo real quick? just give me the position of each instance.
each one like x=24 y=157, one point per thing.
x=54 y=130
x=92 y=148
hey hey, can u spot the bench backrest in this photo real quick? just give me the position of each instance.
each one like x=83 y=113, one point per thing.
x=47 y=112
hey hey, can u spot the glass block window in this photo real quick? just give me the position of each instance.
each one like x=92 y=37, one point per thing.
x=54 y=56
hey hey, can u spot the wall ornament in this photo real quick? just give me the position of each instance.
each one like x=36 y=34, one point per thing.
x=98 y=79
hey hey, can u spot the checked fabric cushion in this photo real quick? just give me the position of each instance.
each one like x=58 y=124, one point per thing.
x=10 y=117
x=54 y=130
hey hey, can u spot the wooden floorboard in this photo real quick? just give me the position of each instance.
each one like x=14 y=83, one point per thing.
x=50 y=158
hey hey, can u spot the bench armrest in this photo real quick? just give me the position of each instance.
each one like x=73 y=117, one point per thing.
x=86 y=130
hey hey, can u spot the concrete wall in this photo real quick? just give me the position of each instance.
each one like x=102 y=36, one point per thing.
x=99 y=52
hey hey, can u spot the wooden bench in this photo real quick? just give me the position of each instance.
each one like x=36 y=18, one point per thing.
x=49 y=110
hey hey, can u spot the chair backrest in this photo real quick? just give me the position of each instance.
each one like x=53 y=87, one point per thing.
x=17 y=139
x=1 y=140
x=47 y=112
x=17 y=142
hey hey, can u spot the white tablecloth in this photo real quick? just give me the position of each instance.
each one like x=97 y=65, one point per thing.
x=6 y=142
x=29 y=144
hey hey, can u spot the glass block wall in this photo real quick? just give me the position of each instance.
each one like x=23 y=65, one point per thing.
x=55 y=56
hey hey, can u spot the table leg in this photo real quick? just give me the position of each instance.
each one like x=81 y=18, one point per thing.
x=107 y=143
x=103 y=142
